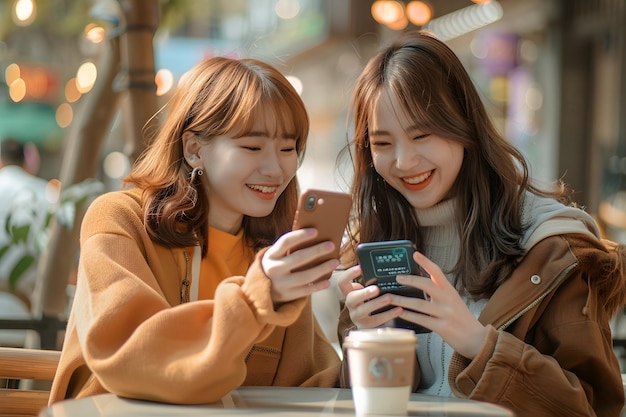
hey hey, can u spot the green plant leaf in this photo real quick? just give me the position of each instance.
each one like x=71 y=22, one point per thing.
x=7 y=223
x=49 y=215
x=4 y=250
x=20 y=233
x=24 y=220
x=19 y=269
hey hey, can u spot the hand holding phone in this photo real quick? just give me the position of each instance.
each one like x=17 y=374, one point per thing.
x=381 y=262
x=326 y=211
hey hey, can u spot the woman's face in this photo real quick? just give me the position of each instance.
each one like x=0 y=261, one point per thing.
x=421 y=166
x=246 y=175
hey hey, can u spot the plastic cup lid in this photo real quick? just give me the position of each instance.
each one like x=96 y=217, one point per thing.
x=381 y=334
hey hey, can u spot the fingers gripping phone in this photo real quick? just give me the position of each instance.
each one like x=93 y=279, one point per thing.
x=326 y=211
x=381 y=262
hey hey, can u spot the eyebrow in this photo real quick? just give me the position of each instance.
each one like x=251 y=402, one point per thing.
x=411 y=128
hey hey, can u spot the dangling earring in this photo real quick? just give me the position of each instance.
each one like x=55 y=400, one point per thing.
x=195 y=174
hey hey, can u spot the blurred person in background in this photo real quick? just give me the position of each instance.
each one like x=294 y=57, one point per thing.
x=521 y=288
x=184 y=288
x=23 y=212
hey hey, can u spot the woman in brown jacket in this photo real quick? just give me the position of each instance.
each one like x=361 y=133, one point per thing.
x=521 y=286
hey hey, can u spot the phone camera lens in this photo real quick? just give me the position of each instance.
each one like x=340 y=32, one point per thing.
x=310 y=202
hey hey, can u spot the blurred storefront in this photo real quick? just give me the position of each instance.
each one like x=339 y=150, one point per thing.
x=592 y=145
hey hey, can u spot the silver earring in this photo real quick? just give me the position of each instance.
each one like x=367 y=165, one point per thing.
x=196 y=173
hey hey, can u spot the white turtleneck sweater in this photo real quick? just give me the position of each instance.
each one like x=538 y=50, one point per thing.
x=441 y=245
x=542 y=217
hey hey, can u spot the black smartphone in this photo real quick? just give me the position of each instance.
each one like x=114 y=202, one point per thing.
x=328 y=212
x=381 y=262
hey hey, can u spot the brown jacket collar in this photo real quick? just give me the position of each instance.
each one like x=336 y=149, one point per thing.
x=542 y=271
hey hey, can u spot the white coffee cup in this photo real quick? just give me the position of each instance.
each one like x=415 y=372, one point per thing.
x=381 y=366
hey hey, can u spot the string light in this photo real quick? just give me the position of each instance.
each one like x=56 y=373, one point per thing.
x=418 y=12
x=387 y=12
x=396 y=16
x=465 y=20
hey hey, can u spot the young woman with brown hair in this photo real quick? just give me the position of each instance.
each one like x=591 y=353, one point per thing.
x=521 y=287
x=185 y=289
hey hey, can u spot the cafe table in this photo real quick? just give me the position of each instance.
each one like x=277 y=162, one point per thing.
x=266 y=401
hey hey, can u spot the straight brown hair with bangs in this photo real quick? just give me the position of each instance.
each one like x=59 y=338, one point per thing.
x=213 y=97
x=438 y=93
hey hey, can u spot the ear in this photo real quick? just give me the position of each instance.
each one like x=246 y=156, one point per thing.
x=191 y=147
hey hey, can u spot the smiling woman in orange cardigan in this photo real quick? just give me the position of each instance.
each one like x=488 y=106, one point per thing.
x=185 y=289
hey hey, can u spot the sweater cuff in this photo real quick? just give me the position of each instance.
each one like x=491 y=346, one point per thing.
x=257 y=289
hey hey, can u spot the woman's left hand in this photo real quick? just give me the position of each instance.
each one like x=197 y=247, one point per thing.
x=444 y=311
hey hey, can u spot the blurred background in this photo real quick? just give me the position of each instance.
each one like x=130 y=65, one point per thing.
x=80 y=78
x=551 y=71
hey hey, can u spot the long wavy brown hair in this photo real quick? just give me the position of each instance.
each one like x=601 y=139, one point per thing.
x=218 y=96
x=437 y=92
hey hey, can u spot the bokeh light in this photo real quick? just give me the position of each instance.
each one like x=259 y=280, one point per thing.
x=53 y=191
x=418 y=12
x=17 y=90
x=116 y=165
x=11 y=73
x=86 y=77
x=24 y=12
x=64 y=115
x=164 y=80
x=387 y=12
x=287 y=9
x=94 y=33
x=71 y=91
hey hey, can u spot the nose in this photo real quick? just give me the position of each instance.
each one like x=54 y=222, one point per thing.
x=407 y=155
x=271 y=167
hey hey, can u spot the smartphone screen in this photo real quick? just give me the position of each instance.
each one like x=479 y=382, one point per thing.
x=328 y=212
x=381 y=262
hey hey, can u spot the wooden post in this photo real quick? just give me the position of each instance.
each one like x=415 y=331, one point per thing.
x=136 y=78
x=80 y=161
x=126 y=70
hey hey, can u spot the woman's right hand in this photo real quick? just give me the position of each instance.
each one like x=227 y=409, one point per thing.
x=281 y=260
x=363 y=301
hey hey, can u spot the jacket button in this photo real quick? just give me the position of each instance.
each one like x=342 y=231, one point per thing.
x=535 y=279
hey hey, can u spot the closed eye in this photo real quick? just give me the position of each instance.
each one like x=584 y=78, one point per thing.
x=422 y=136
x=379 y=143
x=252 y=148
x=287 y=145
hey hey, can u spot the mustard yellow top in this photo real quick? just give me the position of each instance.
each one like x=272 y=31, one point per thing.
x=227 y=256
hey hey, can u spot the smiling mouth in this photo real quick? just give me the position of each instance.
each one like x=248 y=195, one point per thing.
x=418 y=179
x=265 y=189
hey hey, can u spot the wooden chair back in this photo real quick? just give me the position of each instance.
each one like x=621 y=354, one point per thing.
x=25 y=364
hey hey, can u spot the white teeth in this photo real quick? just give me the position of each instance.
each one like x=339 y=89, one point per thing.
x=263 y=188
x=417 y=179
